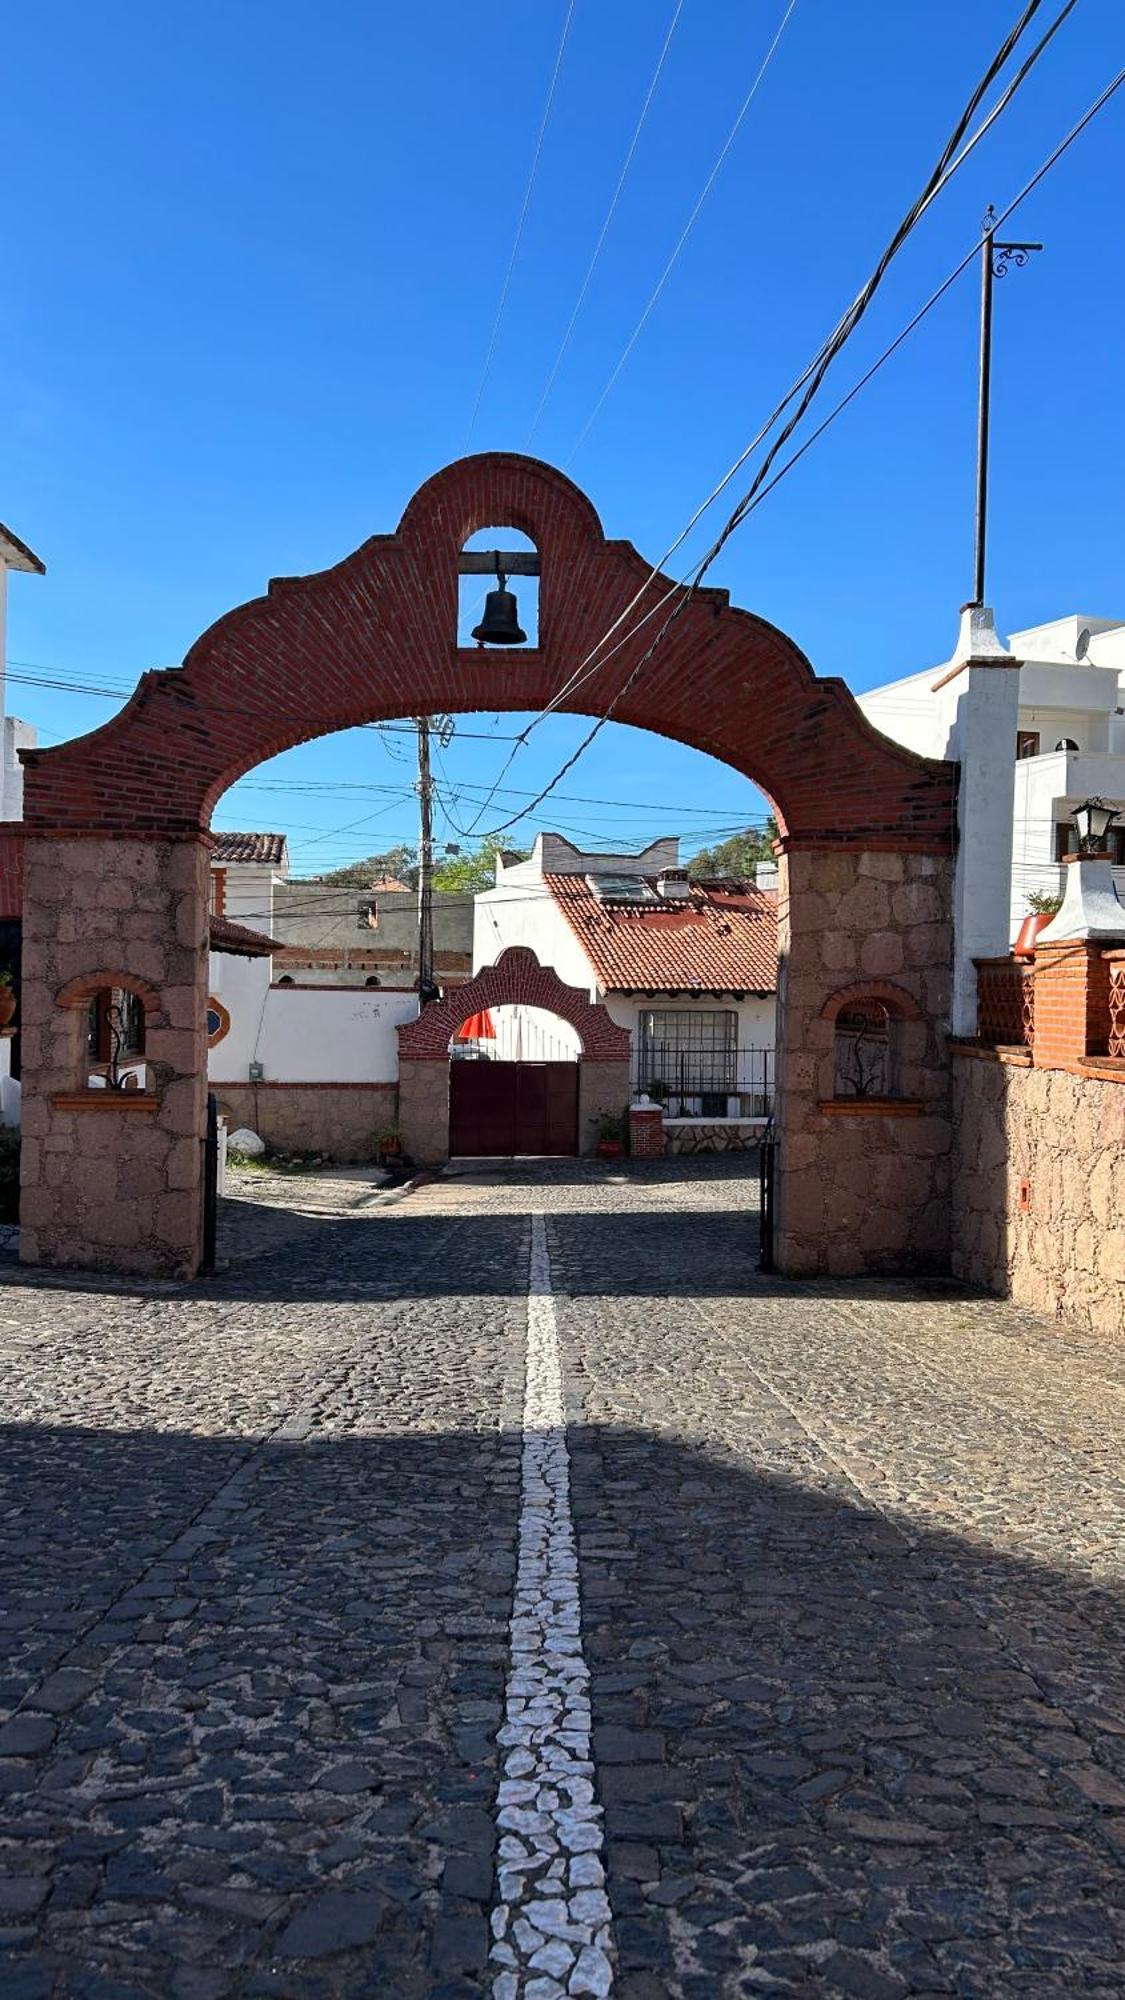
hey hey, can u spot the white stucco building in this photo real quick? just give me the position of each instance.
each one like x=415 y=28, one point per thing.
x=14 y=734
x=1070 y=738
x=689 y=967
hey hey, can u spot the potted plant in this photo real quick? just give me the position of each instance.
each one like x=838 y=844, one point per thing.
x=7 y=998
x=1041 y=908
x=388 y=1146
x=611 y=1136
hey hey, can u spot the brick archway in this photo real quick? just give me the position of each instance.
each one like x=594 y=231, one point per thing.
x=117 y=825
x=515 y=979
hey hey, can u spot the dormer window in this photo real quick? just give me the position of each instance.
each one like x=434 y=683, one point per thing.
x=621 y=888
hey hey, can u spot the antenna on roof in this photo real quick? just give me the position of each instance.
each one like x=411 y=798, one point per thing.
x=1082 y=643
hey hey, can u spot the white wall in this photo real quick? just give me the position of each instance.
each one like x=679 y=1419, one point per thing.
x=527 y=913
x=757 y=1018
x=304 y=1035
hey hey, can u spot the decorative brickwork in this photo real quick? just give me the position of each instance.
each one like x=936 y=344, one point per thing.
x=901 y=1005
x=1005 y=1002
x=375 y=637
x=1071 y=1001
x=516 y=980
x=1116 y=963
x=117 y=862
x=646 y=1132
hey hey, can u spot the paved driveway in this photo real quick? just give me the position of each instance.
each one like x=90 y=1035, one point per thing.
x=510 y=1592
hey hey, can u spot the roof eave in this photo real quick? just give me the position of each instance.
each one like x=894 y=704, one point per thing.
x=15 y=554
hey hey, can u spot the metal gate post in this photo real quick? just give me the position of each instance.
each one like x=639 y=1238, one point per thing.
x=767 y=1174
x=210 y=1184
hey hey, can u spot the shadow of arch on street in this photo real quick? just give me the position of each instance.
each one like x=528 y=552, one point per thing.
x=835 y=1758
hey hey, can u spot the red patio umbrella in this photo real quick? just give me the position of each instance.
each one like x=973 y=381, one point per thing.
x=477 y=1028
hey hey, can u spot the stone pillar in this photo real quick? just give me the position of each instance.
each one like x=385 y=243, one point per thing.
x=646 y=1131
x=867 y=1192
x=602 y=1087
x=423 y=1109
x=113 y=1180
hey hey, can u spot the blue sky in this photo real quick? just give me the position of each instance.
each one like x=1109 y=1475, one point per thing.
x=252 y=257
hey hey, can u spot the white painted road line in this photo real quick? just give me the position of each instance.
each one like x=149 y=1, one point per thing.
x=551 y=1924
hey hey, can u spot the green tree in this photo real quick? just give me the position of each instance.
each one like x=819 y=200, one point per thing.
x=399 y=862
x=468 y=874
x=738 y=855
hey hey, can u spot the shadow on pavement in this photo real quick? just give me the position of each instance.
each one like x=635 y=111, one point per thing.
x=834 y=1759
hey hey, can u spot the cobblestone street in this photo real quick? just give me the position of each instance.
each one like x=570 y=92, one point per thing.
x=445 y=1602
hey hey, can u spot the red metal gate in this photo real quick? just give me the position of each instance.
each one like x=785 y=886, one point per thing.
x=497 y=1109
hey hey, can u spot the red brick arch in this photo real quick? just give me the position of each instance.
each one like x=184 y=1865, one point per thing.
x=900 y=1005
x=79 y=992
x=375 y=637
x=516 y=979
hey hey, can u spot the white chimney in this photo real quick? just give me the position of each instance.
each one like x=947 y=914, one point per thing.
x=672 y=884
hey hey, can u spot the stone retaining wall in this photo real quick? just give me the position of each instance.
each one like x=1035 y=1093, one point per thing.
x=1039 y=1188
x=337 y=1119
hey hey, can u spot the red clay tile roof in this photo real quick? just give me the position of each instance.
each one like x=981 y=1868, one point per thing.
x=238 y=939
x=233 y=847
x=722 y=939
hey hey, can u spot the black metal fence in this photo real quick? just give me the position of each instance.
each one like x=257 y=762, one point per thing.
x=705 y=1082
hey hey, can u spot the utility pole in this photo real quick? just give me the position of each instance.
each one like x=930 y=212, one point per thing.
x=427 y=990
x=994 y=261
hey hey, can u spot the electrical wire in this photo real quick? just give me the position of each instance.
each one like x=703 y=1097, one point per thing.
x=504 y=289
x=684 y=234
x=949 y=161
x=948 y=164
x=604 y=231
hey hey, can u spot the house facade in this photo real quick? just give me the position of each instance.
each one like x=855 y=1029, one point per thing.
x=689 y=968
x=1070 y=741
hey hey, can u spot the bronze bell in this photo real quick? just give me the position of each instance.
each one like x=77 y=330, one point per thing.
x=500 y=625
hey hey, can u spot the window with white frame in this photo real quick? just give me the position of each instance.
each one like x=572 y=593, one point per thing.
x=688 y=1058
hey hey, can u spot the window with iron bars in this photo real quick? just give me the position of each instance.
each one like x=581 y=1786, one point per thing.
x=689 y=1060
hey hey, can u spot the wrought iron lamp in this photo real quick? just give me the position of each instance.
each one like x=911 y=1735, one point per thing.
x=1093 y=820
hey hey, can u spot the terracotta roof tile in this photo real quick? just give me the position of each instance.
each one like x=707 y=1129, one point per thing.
x=233 y=847
x=723 y=938
x=238 y=939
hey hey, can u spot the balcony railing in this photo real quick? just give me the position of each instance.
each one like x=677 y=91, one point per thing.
x=1005 y=1002
x=705 y=1083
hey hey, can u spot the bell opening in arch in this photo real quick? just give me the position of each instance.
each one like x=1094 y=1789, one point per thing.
x=498 y=603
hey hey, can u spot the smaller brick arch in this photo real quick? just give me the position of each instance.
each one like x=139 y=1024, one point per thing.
x=79 y=992
x=516 y=979
x=900 y=1005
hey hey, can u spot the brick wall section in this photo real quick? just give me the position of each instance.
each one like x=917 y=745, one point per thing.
x=338 y=1119
x=11 y=868
x=114 y=1188
x=646 y=1134
x=1071 y=999
x=516 y=979
x=872 y=1192
x=375 y=637
x=1039 y=1188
